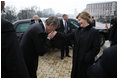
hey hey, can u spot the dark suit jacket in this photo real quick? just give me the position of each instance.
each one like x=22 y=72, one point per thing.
x=93 y=23
x=33 y=45
x=12 y=61
x=61 y=28
x=32 y=21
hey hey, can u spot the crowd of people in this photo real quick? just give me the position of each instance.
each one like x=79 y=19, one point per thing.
x=21 y=60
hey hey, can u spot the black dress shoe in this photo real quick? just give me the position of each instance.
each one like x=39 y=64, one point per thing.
x=68 y=55
x=62 y=58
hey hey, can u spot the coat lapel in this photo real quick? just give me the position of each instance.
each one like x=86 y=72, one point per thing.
x=42 y=26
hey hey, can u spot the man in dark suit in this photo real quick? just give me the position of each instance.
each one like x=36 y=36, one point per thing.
x=64 y=28
x=33 y=42
x=12 y=61
x=113 y=31
x=94 y=23
x=35 y=19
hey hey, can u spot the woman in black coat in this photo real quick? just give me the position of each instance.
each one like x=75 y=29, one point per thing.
x=86 y=47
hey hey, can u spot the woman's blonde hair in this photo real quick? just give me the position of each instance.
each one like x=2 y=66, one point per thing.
x=85 y=15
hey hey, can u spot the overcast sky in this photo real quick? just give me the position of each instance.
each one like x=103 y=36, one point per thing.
x=61 y=6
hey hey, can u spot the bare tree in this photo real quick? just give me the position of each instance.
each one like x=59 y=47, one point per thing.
x=59 y=15
x=10 y=13
x=48 y=12
x=39 y=13
x=26 y=13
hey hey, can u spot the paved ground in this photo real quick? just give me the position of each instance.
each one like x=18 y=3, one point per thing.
x=51 y=66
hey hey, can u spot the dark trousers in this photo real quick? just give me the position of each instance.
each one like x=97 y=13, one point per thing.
x=65 y=49
x=32 y=67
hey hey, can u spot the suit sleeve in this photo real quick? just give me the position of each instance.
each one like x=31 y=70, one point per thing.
x=62 y=39
x=62 y=36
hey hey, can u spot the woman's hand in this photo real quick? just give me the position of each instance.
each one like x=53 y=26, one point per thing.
x=52 y=34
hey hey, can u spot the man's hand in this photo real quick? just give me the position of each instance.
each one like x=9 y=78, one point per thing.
x=52 y=34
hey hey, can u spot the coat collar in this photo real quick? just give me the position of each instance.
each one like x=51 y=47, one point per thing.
x=86 y=28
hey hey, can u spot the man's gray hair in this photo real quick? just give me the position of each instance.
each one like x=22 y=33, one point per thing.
x=64 y=15
x=53 y=20
x=35 y=16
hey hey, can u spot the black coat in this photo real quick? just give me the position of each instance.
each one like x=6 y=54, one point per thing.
x=94 y=23
x=106 y=66
x=113 y=32
x=61 y=42
x=12 y=61
x=86 y=47
x=33 y=45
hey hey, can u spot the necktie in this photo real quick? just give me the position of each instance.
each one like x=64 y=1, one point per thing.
x=65 y=30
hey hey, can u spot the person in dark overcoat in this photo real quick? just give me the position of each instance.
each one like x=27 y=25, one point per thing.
x=106 y=65
x=86 y=46
x=33 y=43
x=113 y=31
x=12 y=60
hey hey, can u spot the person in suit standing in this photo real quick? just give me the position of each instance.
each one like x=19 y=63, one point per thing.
x=113 y=31
x=35 y=19
x=33 y=42
x=94 y=22
x=12 y=60
x=65 y=29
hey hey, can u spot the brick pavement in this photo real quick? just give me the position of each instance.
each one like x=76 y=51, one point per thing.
x=51 y=66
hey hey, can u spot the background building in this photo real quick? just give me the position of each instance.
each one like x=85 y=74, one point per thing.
x=103 y=12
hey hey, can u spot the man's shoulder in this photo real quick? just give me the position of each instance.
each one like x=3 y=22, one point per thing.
x=6 y=26
x=36 y=27
x=39 y=20
x=61 y=20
